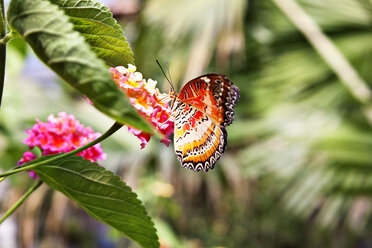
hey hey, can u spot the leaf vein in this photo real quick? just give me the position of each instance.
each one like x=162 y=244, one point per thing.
x=145 y=224
x=85 y=177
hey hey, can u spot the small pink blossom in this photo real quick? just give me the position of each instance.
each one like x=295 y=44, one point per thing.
x=147 y=100
x=60 y=135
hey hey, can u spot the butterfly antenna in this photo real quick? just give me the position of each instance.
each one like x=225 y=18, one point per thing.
x=165 y=75
x=166 y=63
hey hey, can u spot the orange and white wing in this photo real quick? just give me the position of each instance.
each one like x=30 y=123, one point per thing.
x=198 y=141
x=202 y=110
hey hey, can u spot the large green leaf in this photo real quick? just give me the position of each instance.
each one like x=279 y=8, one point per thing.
x=95 y=22
x=50 y=34
x=102 y=194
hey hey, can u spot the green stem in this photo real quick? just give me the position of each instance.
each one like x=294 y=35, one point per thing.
x=2 y=20
x=2 y=49
x=7 y=38
x=31 y=165
x=20 y=201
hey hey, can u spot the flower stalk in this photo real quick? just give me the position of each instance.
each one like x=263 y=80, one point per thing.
x=21 y=200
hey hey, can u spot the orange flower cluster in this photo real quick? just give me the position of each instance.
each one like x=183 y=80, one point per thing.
x=147 y=100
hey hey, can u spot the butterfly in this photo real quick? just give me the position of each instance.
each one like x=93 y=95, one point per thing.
x=202 y=110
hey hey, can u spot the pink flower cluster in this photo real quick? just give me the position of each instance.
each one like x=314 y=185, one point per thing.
x=146 y=99
x=61 y=134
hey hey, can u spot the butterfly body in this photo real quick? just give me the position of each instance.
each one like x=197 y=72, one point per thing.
x=202 y=110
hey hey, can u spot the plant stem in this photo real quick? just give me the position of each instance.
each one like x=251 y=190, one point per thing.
x=2 y=49
x=5 y=39
x=31 y=165
x=21 y=200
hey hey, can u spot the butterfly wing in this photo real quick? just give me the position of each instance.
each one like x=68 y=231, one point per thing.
x=202 y=110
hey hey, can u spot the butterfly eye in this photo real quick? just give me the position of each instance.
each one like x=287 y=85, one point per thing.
x=172 y=93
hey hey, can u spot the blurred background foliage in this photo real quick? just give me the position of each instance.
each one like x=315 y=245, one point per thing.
x=296 y=169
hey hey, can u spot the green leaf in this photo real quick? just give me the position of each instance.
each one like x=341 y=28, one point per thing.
x=102 y=194
x=95 y=22
x=50 y=34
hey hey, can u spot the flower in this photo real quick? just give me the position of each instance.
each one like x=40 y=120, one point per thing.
x=147 y=100
x=61 y=134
